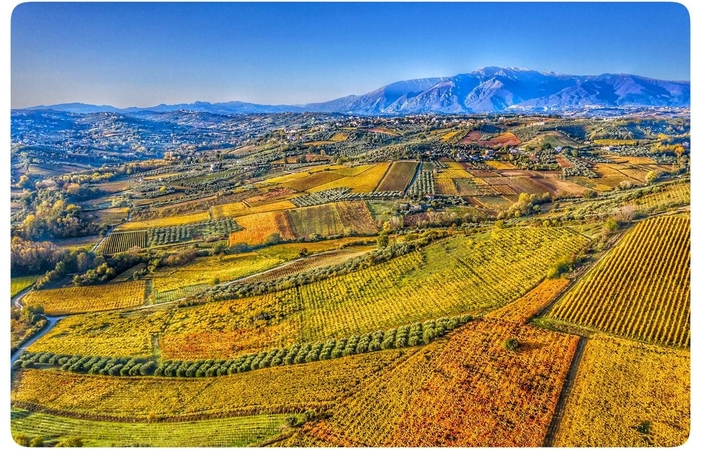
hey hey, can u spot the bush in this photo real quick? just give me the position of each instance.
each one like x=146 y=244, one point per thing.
x=511 y=344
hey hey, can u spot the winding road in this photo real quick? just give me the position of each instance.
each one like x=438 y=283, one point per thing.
x=52 y=320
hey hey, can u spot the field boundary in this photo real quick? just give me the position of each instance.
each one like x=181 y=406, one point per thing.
x=564 y=393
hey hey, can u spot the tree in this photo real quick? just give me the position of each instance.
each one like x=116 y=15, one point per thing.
x=511 y=344
x=382 y=240
x=652 y=176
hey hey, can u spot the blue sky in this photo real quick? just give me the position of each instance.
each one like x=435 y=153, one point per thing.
x=139 y=54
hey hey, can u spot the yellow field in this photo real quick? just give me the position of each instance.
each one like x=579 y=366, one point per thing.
x=308 y=182
x=641 y=288
x=20 y=283
x=532 y=302
x=500 y=165
x=608 y=142
x=620 y=386
x=455 y=173
x=365 y=182
x=239 y=208
x=165 y=221
x=257 y=228
x=92 y=298
x=354 y=171
x=632 y=160
x=273 y=390
x=448 y=135
x=339 y=137
x=204 y=270
x=110 y=334
x=445 y=185
x=229 y=210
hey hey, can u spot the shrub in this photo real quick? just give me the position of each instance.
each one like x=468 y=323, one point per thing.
x=511 y=344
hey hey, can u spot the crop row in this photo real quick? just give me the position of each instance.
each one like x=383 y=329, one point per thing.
x=424 y=185
x=92 y=298
x=123 y=241
x=402 y=337
x=179 y=233
x=641 y=289
x=280 y=389
x=320 y=197
x=467 y=391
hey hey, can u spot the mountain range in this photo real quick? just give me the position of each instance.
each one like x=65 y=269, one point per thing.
x=489 y=89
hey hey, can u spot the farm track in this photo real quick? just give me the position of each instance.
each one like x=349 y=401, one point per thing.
x=564 y=393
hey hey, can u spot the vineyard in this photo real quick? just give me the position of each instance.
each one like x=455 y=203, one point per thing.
x=472 y=390
x=532 y=303
x=307 y=264
x=282 y=389
x=259 y=228
x=398 y=177
x=455 y=276
x=316 y=221
x=20 y=283
x=642 y=391
x=117 y=242
x=61 y=301
x=214 y=229
x=225 y=432
x=640 y=289
x=207 y=270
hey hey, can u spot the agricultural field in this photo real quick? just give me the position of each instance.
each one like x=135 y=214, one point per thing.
x=454 y=276
x=364 y=181
x=343 y=218
x=260 y=228
x=94 y=298
x=165 y=221
x=281 y=389
x=473 y=390
x=225 y=432
x=328 y=280
x=641 y=390
x=640 y=289
x=211 y=270
x=20 y=283
x=398 y=177
x=123 y=241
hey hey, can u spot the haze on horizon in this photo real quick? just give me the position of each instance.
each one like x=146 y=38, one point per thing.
x=139 y=54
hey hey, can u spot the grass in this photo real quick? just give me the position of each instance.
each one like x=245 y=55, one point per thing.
x=226 y=432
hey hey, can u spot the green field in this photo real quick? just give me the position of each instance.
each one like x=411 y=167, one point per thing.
x=225 y=432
